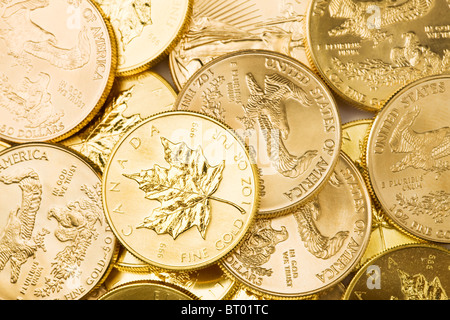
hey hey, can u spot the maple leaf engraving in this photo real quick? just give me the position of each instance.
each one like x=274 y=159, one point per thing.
x=184 y=190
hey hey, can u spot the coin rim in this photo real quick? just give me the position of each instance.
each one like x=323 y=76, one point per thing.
x=313 y=77
x=312 y=294
x=371 y=261
x=138 y=283
x=75 y=127
x=90 y=165
x=253 y=213
x=162 y=54
x=367 y=160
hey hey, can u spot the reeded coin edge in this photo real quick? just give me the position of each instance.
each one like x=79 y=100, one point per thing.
x=314 y=293
x=362 y=270
x=154 y=282
x=366 y=161
x=253 y=214
x=151 y=62
x=97 y=172
x=292 y=207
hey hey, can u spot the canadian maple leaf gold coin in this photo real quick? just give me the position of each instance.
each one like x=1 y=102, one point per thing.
x=283 y=111
x=311 y=249
x=55 y=242
x=406 y=272
x=146 y=30
x=180 y=190
x=368 y=50
x=408 y=159
x=57 y=67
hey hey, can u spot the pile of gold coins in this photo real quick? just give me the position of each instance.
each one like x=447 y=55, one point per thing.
x=240 y=181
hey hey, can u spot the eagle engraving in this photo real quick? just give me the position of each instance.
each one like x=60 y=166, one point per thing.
x=319 y=245
x=17 y=243
x=356 y=17
x=258 y=247
x=23 y=37
x=424 y=150
x=267 y=108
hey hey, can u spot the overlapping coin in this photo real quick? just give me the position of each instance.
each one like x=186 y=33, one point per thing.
x=56 y=72
x=180 y=190
x=408 y=159
x=132 y=99
x=146 y=30
x=408 y=272
x=223 y=27
x=285 y=113
x=367 y=50
x=311 y=249
x=55 y=242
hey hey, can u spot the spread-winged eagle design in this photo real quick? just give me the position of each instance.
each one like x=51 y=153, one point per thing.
x=23 y=37
x=267 y=108
x=321 y=246
x=357 y=14
x=424 y=150
x=17 y=243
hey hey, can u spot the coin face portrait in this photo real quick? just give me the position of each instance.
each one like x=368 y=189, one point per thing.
x=407 y=158
x=368 y=50
x=180 y=190
x=55 y=242
x=283 y=111
x=58 y=61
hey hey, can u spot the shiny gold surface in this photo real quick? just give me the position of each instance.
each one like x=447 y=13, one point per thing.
x=170 y=190
x=282 y=110
x=55 y=241
x=408 y=272
x=384 y=234
x=55 y=73
x=368 y=50
x=146 y=30
x=209 y=283
x=226 y=26
x=133 y=99
x=312 y=249
x=148 y=290
x=407 y=159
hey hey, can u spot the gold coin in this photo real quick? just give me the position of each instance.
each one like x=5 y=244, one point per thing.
x=55 y=242
x=284 y=112
x=146 y=30
x=311 y=249
x=222 y=27
x=57 y=68
x=408 y=159
x=148 y=290
x=367 y=50
x=353 y=144
x=4 y=145
x=209 y=283
x=180 y=190
x=384 y=235
x=408 y=272
x=134 y=98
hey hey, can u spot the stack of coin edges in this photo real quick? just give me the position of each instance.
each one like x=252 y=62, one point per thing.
x=241 y=181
